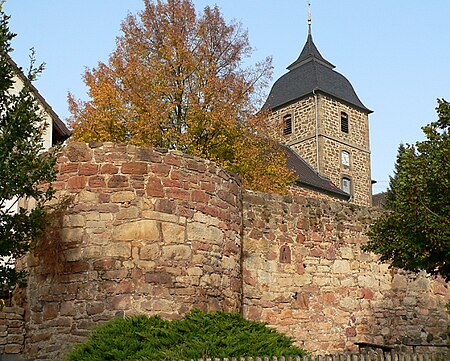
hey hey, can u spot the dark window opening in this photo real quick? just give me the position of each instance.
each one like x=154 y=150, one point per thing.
x=344 y=122
x=287 y=121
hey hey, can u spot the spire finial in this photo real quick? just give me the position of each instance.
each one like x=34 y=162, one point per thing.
x=309 y=18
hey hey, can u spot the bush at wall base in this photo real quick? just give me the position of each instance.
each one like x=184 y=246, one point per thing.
x=197 y=335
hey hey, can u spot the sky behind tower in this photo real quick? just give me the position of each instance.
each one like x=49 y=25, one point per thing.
x=396 y=53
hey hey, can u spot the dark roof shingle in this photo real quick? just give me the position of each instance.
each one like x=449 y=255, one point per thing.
x=309 y=73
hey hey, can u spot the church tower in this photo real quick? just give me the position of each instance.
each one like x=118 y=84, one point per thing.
x=315 y=111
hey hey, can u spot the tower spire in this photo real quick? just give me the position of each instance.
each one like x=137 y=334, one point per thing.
x=309 y=18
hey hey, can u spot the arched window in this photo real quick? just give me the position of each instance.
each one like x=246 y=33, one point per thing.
x=345 y=158
x=344 y=122
x=287 y=124
x=347 y=185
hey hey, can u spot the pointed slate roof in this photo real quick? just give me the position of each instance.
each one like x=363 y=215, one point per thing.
x=308 y=53
x=311 y=72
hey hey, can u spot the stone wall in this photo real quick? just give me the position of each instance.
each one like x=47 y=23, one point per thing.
x=329 y=140
x=304 y=273
x=330 y=122
x=303 y=137
x=157 y=232
x=12 y=331
x=148 y=231
x=358 y=171
x=310 y=193
x=356 y=142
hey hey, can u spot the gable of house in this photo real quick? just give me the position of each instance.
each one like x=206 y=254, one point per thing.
x=56 y=131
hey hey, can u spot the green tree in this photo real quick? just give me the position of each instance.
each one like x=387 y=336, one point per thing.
x=414 y=233
x=23 y=167
x=390 y=196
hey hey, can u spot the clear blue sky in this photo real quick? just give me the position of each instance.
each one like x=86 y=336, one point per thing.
x=396 y=53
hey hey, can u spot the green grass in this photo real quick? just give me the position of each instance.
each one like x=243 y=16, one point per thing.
x=198 y=335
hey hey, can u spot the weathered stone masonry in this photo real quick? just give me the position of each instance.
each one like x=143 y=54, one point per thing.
x=12 y=330
x=149 y=231
x=305 y=273
x=157 y=232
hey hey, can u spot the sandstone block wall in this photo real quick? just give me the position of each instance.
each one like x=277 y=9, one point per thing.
x=358 y=171
x=12 y=331
x=356 y=142
x=309 y=193
x=303 y=128
x=330 y=122
x=157 y=232
x=303 y=121
x=305 y=274
x=148 y=231
x=329 y=140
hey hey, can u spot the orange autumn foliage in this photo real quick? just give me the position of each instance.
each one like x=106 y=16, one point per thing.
x=176 y=81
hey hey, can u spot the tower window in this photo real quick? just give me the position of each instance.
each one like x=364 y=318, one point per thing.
x=345 y=158
x=344 y=122
x=347 y=185
x=287 y=124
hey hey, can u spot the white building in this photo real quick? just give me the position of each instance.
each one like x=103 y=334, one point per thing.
x=56 y=131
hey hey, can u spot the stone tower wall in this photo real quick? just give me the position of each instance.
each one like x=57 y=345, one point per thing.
x=331 y=141
x=358 y=171
x=148 y=231
x=303 y=137
x=330 y=123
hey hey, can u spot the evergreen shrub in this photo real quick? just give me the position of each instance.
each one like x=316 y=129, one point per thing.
x=197 y=335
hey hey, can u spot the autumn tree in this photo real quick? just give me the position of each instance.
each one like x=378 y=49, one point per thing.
x=414 y=233
x=23 y=168
x=176 y=81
